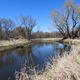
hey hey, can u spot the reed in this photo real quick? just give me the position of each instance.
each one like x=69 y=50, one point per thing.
x=62 y=68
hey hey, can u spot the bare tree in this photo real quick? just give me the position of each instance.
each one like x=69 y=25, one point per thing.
x=8 y=25
x=20 y=31
x=19 y=20
x=29 y=24
x=67 y=19
x=0 y=24
x=0 y=29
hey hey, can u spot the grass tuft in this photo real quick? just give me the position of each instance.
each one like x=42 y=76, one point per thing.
x=78 y=52
x=3 y=46
x=13 y=45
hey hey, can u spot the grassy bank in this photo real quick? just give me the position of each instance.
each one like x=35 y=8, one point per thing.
x=66 y=41
x=12 y=44
x=7 y=45
x=71 y=41
x=65 y=68
x=47 y=39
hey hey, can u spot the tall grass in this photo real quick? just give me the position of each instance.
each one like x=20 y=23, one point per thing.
x=65 y=68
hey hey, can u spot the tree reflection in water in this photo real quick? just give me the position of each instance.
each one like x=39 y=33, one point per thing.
x=61 y=50
x=7 y=59
x=33 y=55
x=29 y=56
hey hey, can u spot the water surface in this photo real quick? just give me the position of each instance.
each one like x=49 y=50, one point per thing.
x=35 y=54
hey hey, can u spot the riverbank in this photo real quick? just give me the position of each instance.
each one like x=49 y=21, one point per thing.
x=6 y=45
x=47 y=39
x=66 y=41
x=63 y=68
x=12 y=44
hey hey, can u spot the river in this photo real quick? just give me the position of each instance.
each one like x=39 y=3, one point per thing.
x=35 y=54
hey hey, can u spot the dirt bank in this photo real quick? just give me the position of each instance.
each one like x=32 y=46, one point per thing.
x=13 y=44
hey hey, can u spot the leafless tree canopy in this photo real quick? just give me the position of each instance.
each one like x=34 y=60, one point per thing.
x=29 y=24
x=7 y=25
x=67 y=19
x=23 y=29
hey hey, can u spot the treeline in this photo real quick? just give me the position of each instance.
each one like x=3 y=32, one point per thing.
x=20 y=32
x=66 y=21
x=40 y=34
x=22 y=28
x=9 y=29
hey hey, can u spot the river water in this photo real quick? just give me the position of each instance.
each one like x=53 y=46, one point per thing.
x=35 y=54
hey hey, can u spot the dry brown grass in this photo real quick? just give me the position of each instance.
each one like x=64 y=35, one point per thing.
x=65 y=68
x=12 y=42
x=46 y=39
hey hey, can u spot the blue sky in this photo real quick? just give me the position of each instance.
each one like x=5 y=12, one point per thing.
x=38 y=9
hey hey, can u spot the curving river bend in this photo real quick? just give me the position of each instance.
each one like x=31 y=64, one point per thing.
x=36 y=54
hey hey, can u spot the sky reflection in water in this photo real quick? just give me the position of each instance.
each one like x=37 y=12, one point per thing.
x=35 y=55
